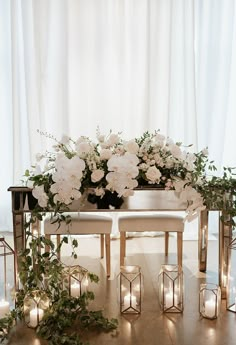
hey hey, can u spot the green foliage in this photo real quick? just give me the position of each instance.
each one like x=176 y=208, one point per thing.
x=219 y=193
x=40 y=269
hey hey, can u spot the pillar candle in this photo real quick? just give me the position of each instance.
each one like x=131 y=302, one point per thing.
x=4 y=308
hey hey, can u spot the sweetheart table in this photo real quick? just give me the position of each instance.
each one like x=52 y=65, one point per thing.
x=143 y=200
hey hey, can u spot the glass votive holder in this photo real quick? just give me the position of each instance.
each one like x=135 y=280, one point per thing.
x=130 y=286
x=36 y=302
x=171 y=288
x=231 y=277
x=75 y=280
x=209 y=300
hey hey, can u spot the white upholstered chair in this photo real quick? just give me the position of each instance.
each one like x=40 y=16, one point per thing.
x=84 y=224
x=155 y=222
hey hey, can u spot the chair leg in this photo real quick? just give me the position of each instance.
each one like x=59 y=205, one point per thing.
x=102 y=245
x=108 y=254
x=48 y=237
x=166 y=243
x=180 y=248
x=122 y=247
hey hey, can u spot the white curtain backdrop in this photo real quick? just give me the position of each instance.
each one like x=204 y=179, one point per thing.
x=68 y=66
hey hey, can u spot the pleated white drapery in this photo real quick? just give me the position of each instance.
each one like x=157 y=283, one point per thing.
x=128 y=65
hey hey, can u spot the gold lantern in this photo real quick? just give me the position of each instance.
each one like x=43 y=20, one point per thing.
x=209 y=300
x=130 y=285
x=171 y=288
x=7 y=277
x=75 y=280
x=36 y=303
x=231 y=277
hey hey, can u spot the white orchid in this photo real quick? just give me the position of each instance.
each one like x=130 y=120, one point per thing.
x=39 y=193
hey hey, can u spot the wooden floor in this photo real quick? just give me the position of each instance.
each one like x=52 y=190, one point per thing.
x=151 y=327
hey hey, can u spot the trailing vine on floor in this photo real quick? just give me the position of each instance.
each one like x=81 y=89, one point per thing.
x=67 y=317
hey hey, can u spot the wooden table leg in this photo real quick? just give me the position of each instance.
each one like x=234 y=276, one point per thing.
x=203 y=240
x=225 y=237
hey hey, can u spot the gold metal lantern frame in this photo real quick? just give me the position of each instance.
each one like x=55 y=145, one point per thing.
x=171 y=289
x=130 y=285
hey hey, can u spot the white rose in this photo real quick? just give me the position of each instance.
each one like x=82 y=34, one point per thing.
x=153 y=174
x=84 y=148
x=176 y=151
x=113 y=140
x=105 y=154
x=97 y=175
x=131 y=146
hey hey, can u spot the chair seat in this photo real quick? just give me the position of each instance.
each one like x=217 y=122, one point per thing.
x=143 y=223
x=151 y=223
x=80 y=224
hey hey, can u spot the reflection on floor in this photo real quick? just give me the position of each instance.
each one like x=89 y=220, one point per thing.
x=151 y=327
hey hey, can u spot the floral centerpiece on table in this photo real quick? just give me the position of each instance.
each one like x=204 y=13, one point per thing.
x=112 y=164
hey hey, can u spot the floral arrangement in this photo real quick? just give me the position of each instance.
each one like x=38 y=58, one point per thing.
x=118 y=166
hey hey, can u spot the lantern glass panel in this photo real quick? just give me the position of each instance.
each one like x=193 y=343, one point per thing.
x=130 y=284
x=231 y=277
x=7 y=274
x=75 y=280
x=35 y=305
x=209 y=300
x=171 y=288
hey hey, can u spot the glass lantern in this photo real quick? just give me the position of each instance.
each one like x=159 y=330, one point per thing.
x=171 y=288
x=130 y=285
x=35 y=304
x=7 y=277
x=231 y=277
x=209 y=300
x=75 y=280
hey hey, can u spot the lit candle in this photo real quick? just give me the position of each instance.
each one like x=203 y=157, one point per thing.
x=137 y=288
x=35 y=232
x=210 y=308
x=86 y=282
x=130 y=301
x=75 y=290
x=4 y=308
x=36 y=316
x=169 y=299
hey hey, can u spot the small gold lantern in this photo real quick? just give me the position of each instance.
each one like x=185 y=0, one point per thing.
x=231 y=277
x=209 y=300
x=171 y=288
x=35 y=304
x=130 y=282
x=7 y=277
x=75 y=280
